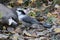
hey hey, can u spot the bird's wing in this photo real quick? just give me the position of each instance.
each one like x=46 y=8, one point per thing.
x=11 y=21
x=28 y=19
x=5 y=11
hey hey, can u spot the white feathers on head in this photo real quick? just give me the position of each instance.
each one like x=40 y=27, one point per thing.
x=25 y=10
x=19 y=9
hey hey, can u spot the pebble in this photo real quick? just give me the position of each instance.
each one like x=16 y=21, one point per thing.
x=3 y=36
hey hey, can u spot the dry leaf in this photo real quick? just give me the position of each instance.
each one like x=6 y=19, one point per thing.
x=57 y=30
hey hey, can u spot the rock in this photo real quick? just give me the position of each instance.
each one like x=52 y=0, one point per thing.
x=10 y=29
x=29 y=34
x=3 y=36
x=37 y=27
x=40 y=33
x=25 y=39
x=18 y=30
x=58 y=36
x=47 y=25
x=44 y=38
x=15 y=36
x=20 y=37
x=26 y=33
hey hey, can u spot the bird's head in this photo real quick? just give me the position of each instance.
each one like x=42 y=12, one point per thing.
x=20 y=11
x=23 y=10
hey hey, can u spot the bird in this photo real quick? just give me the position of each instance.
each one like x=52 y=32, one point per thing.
x=8 y=17
x=25 y=18
x=12 y=22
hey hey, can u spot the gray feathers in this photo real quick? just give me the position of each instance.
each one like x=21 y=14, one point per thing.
x=6 y=14
x=29 y=20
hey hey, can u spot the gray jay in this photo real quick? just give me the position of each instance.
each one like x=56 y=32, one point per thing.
x=25 y=18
